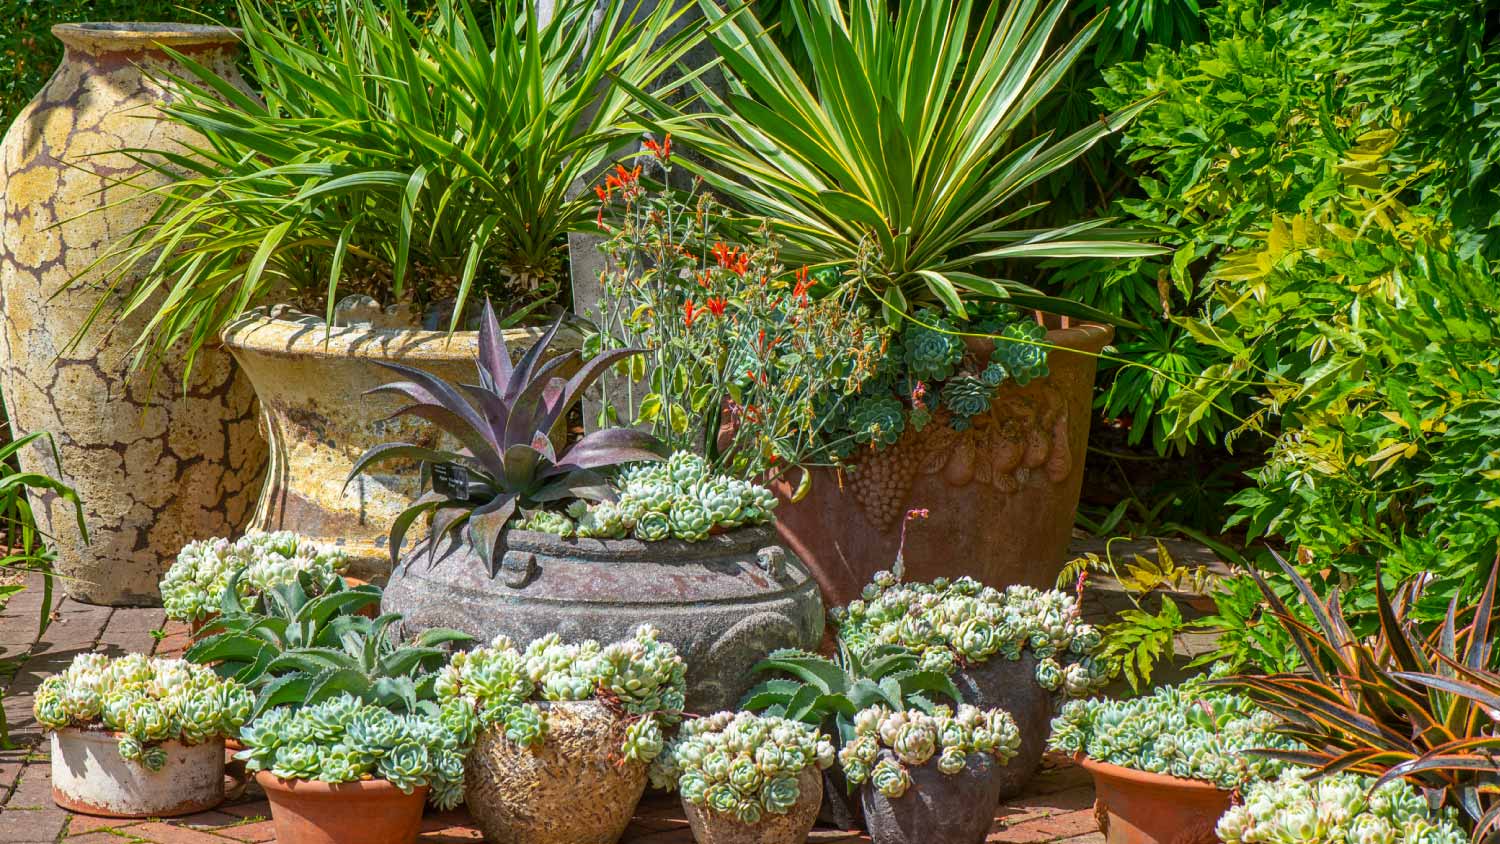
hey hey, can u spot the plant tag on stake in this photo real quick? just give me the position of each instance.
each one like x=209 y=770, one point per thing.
x=451 y=479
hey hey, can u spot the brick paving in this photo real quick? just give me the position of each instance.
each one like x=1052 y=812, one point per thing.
x=1057 y=806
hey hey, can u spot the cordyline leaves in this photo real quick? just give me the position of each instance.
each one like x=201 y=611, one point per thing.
x=1398 y=705
x=504 y=424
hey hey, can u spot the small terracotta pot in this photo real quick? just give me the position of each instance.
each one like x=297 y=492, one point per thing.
x=938 y=808
x=367 y=812
x=88 y=776
x=1010 y=684
x=1136 y=807
x=711 y=827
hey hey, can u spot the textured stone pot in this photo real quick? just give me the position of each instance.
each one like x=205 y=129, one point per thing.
x=154 y=466
x=575 y=788
x=1011 y=685
x=1001 y=495
x=710 y=827
x=1136 y=807
x=89 y=776
x=937 y=808
x=312 y=384
x=724 y=603
x=367 y=812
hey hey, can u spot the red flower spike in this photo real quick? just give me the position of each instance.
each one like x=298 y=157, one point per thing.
x=716 y=306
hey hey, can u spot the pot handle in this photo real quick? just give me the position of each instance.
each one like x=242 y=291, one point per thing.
x=772 y=560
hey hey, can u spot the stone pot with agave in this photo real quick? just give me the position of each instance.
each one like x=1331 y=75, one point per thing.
x=528 y=538
x=562 y=732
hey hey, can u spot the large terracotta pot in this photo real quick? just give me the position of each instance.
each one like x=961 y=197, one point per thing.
x=154 y=466
x=89 y=776
x=937 y=808
x=1136 y=807
x=1001 y=495
x=711 y=827
x=365 y=812
x=1000 y=683
x=312 y=383
x=724 y=603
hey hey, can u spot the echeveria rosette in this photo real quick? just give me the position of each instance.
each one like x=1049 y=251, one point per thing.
x=148 y=700
x=193 y=586
x=345 y=740
x=962 y=622
x=1181 y=731
x=1337 y=809
x=505 y=688
x=913 y=738
x=741 y=764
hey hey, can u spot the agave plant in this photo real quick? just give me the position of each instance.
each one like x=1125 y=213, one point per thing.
x=509 y=461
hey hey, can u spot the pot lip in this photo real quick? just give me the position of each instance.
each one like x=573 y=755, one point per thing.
x=1120 y=772
x=145 y=35
x=745 y=538
x=101 y=732
x=372 y=787
x=260 y=330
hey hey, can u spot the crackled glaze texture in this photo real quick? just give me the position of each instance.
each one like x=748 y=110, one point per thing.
x=154 y=466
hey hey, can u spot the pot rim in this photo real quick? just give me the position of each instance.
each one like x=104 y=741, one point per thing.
x=261 y=331
x=318 y=788
x=744 y=538
x=101 y=731
x=1120 y=772
x=145 y=35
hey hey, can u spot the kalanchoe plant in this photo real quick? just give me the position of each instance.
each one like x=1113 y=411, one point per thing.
x=343 y=739
x=147 y=700
x=951 y=624
x=886 y=743
x=504 y=423
x=509 y=690
x=1184 y=731
x=192 y=588
x=1339 y=809
x=742 y=765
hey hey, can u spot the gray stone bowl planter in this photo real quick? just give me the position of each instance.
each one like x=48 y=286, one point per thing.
x=1000 y=683
x=724 y=603
x=710 y=827
x=937 y=808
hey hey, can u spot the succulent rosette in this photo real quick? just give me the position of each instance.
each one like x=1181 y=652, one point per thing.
x=886 y=743
x=192 y=587
x=147 y=700
x=505 y=688
x=741 y=764
x=345 y=740
x=1337 y=809
x=961 y=622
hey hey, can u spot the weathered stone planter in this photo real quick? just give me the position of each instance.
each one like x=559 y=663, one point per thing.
x=367 y=812
x=155 y=467
x=938 y=808
x=1000 y=496
x=575 y=788
x=724 y=603
x=89 y=776
x=312 y=384
x=1011 y=685
x=1137 y=807
x=710 y=827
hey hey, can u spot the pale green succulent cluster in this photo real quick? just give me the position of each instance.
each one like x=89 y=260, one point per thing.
x=502 y=685
x=962 y=622
x=147 y=700
x=1339 y=809
x=191 y=588
x=345 y=740
x=1181 y=731
x=677 y=498
x=886 y=743
x=741 y=764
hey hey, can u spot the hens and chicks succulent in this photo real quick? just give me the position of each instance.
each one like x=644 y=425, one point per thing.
x=913 y=738
x=742 y=765
x=1338 y=809
x=192 y=587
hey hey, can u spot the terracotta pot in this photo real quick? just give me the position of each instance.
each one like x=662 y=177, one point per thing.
x=710 y=827
x=1136 y=807
x=1000 y=496
x=155 y=466
x=724 y=603
x=89 y=776
x=938 y=808
x=575 y=788
x=1011 y=685
x=366 y=812
x=312 y=384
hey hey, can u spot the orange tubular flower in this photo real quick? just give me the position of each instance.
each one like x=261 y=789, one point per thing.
x=662 y=150
x=716 y=306
x=689 y=314
x=801 y=288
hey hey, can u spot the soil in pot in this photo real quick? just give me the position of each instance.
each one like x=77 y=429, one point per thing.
x=88 y=776
x=711 y=827
x=574 y=788
x=367 y=812
x=1000 y=683
x=1136 y=807
x=937 y=808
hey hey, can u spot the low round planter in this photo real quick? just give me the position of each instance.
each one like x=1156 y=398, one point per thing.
x=88 y=776
x=724 y=603
x=311 y=383
x=1136 y=807
x=711 y=827
x=938 y=808
x=574 y=788
x=366 y=812
x=1000 y=683
x=1000 y=496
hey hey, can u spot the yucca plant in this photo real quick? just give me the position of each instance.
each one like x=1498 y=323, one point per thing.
x=1403 y=703
x=904 y=151
x=508 y=459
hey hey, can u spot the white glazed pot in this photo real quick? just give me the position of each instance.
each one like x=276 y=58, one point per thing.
x=89 y=776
